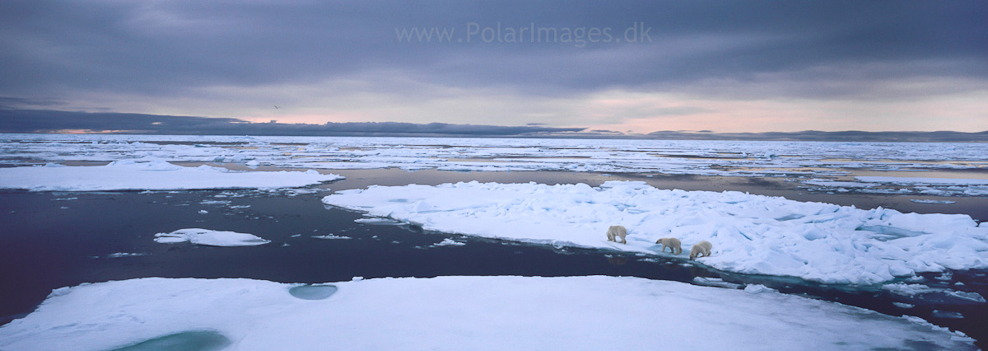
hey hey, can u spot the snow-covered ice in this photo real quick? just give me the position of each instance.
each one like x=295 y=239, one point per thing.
x=750 y=233
x=210 y=238
x=459 y=313
x=152 y=175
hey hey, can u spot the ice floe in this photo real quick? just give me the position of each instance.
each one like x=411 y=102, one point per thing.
x=151 y=175
x=448 y=242
x=457 y=313
x=750 y=233
x=927 y=201
x=210 y=238
x=903 y=305
x=377 y=221
x=126 y=254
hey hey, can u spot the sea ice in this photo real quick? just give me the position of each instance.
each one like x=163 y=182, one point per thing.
x=151 y=175
x=460 y=313
x=913 y=180
x=927 y=201
x=332 y=237
x=903 y=305
x=448 y=242
x=699 y=157
x=750 y=233
x=377 y=221
x=126 y=254
x=210 y=238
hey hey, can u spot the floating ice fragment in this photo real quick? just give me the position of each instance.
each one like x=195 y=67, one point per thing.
x=923 y=201
x=210 y=238
x=966 y=295
x=448 y=242
x=126 y=254
x=332 y=237
x=903 y=305
x=377 y=221
x=947 y=314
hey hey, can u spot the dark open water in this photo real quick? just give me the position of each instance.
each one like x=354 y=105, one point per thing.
x=50 y=240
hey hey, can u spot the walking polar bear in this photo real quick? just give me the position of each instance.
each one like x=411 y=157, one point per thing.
x=701 y=249
x=616 y=231
x=673 y=244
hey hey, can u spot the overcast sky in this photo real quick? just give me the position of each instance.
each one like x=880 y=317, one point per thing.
x=742 y=66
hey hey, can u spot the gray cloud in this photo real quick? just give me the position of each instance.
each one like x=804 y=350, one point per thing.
x=41 y=121
x=54 y=48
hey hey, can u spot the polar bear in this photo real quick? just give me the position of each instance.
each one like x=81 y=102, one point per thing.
x=701 y=249
x=673 y=244
x=616 y=231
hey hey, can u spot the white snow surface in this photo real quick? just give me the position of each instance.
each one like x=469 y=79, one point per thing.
x=750 y=234
x=210 y=238
x=463 y=313
x=150 y=175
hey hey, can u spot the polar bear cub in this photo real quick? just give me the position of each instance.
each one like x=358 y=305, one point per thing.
x=673 y=244
x=701 y=249
x=616 y=231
